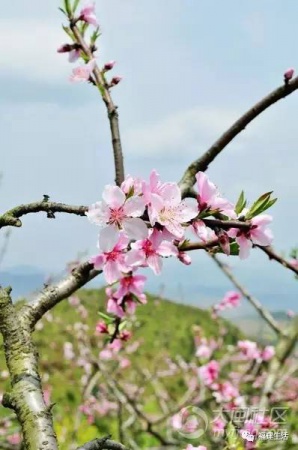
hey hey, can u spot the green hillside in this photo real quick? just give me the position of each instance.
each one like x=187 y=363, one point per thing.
x=164 y=328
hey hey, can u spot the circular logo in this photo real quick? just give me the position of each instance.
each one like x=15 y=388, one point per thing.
x=191 y=422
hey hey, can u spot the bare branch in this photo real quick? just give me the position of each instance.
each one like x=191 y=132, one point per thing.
x=227 y=224
x=199 y=245
x=52 y=295
x=202 y=163
x=12 y=217
x=264 y=313
x=102 y=444
x=283 y=349
x=111 y=108
x=273 y=255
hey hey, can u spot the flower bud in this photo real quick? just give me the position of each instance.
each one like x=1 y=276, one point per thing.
x=65 y=48
x=184 y=258
x=288 y=75
x=115 y=80
x=101 y=328
x=109 y=66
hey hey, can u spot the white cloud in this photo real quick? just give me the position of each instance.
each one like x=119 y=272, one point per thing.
x=28 y=49
x=182 y=132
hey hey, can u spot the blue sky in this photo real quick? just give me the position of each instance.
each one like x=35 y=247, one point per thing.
x=189 y=69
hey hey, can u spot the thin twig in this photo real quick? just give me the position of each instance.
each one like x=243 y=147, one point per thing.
x=111 y=108
x=12 y=217
x=202 y=163
x=284 y=348
x=273 y=255
x=264 y=313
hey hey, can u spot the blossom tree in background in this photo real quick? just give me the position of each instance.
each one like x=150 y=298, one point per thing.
x=142 y=222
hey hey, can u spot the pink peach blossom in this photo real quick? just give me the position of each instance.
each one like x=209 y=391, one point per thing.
x=209 y=372
x=259 y=234
x=87 y=14
x=218 y=425
x=149 y=252
x=118 y=212
x=268 y=353
x=169 y=210
x=114 y=304
x=249 y=349
x=209 y=197
x=83 y=73
x=112 y=259
x=132 y=284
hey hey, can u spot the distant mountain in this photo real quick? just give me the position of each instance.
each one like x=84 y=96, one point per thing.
x=23 y=279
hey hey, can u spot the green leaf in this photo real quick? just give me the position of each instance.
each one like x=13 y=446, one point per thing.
x=234 y=249
x=68 y=32
x=95 y=35
x=62 y=10
x=241 y=203
x=122 y=325
x=67 y=7
x=264 y=202
x=105 y=317
x=75 y=5
x=234 y=441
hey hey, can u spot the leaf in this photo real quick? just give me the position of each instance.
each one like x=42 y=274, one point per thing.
x=106 y=317
x=67 y=7
x=62 y=10
x=68 y=32
x=122 y=325
x=234 y=249
x=233 y=438
x=95 y=35
x=261 y=204
x=241 y=203
x=75 y=5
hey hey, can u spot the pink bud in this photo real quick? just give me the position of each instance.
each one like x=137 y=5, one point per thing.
x=65 y=48
x=115 y=80
x=109 y=66
x=125 y=335
x=224 y=242
x=101 y=328
x=288 y=75
x=184 y=258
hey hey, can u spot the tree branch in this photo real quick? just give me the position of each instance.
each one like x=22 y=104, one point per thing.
x=52 y=295
x=111 y=108
x=202 y=163
x=25 y=397
x=102 y=444
x=264 y=313
x=272 y=255
x=226 y=224
x=12 y=217
x=283 y=349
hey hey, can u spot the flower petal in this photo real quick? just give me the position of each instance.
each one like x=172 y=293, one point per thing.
x=108 y=238
x=134 y=207
x=135 y=228
x=113 y=196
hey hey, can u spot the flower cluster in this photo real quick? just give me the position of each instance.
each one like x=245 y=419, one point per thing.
x=141 y=223
x=76 y=50
x=230 y=300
